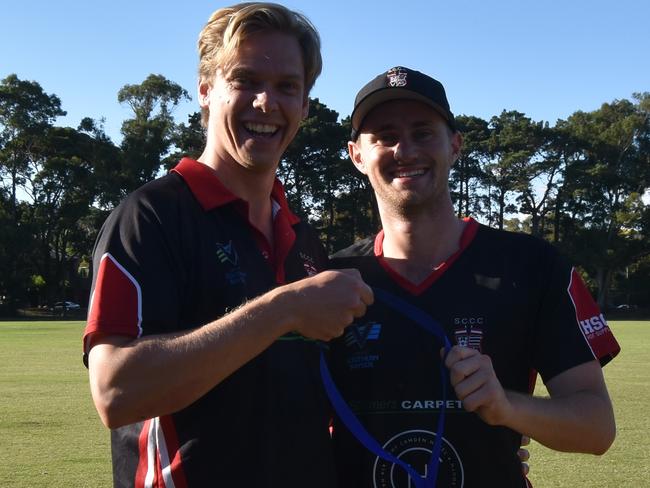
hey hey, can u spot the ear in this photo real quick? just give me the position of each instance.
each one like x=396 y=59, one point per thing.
x=355 y=155
x=305 y=108
x=456 y=145
x=204 y=90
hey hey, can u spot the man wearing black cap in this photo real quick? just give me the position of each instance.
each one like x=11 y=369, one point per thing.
x=508 y=303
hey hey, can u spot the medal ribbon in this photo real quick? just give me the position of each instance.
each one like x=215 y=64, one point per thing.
x=353 y=424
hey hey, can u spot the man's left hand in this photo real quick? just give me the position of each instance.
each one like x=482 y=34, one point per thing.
x=476 y=385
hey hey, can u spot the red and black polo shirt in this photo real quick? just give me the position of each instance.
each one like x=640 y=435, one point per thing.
x=179 y=253
x=509 y=295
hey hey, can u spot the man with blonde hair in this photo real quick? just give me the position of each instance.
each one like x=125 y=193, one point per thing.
x=207 y=292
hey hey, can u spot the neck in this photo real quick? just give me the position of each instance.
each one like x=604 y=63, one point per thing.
x=251 y=186
x=415 y=245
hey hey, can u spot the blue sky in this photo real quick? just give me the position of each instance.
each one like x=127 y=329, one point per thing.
x=546 y=59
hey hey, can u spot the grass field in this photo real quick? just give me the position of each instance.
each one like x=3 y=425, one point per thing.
x=627 y=463
x=50 y=435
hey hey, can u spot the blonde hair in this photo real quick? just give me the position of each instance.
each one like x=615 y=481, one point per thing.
x=229 y=26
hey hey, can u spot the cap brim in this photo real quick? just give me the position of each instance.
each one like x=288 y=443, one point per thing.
x=386 y=95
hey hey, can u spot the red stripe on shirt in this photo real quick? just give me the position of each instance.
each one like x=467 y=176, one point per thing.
x=284 y=237
x=173 y=451
x=159 y=479
x=143 y=458
x=115 y=306
x=591 y=321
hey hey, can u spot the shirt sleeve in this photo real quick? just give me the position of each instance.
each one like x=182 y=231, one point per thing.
x=135 y=287
x=570 y=329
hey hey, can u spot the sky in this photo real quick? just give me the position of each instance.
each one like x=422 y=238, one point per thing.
x=546 y=59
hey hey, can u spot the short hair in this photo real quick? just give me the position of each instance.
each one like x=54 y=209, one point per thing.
x=229 y=26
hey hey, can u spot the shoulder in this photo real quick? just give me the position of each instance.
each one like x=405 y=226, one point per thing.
x=363 y=247
x=353 y=256
x=154 y=201
x=161 y=192
x=491 y=235
x=161 y=211
x=515 y=245
x=522 y=258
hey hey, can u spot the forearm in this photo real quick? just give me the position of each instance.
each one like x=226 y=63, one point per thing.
x=143 y=378
x=156 y=375
x=580 y=422
x=577 y=418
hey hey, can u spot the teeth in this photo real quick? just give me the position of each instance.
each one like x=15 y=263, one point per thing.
x=261 y=128
x=413 y=172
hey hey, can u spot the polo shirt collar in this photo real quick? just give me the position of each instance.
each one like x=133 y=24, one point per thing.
x=211 y=193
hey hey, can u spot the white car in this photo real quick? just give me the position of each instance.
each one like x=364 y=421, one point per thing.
x=64 y=306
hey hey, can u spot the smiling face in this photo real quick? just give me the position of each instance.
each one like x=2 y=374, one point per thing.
x=256 y=103
x=406 y=149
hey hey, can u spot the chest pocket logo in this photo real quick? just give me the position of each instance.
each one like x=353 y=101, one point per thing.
x=309 y=264
x=469 y=336
x=361 y=334
x=229 y=259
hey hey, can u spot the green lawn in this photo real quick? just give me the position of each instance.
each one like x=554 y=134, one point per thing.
x=627 y=463
x=50 y=435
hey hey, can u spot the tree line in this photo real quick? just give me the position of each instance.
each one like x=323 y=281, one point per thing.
x=579 y=184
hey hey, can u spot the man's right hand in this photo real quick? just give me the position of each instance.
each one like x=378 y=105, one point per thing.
x=138 y=378
x=323 y=305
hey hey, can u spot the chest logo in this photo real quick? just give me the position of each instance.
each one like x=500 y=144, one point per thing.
x=359 y=335
x=309 y=264
x=227 y=253
x=469 y=335
x=227 y=256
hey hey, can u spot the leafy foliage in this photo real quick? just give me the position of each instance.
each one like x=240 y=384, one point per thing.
x=149 y=135
x=582 y=184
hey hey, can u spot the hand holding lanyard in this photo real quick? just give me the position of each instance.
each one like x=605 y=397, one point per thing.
x=350 y=420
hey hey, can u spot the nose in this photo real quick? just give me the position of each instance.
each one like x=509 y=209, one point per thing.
x=405 y=151
x=265 y=101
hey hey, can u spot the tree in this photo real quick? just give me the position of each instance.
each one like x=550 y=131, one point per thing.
x=188 y=140
x=148 y=135
x=322 y=185
x=26 y=114
x=63 y=191
x=6 y=266
x=107 y=161
x=537 y=185
x=513 y=144
x=355 y=212
x=467 y=174
x=608 y=172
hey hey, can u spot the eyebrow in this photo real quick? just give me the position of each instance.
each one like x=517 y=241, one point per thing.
x=245 y=71
x=238 y=71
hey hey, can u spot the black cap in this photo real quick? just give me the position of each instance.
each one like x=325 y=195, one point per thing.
x=400 y=83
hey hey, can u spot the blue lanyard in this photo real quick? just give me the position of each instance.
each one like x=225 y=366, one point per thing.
x=351 y=421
